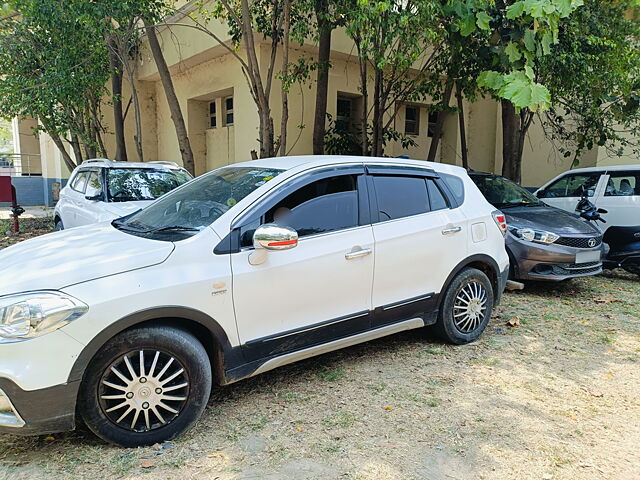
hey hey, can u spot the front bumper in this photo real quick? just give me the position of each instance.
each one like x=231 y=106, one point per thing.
x=37 y=412
x=533 y=261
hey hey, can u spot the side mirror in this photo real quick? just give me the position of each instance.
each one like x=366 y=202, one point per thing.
x=94 y=198
x=602 y=210
x=275 y=237
x=539 y=194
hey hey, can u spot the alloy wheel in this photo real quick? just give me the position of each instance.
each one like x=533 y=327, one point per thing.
x=470 y=307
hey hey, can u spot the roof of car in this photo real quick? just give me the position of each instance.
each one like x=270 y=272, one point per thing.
x=605 y=168
x=103 y=162
x=311 y=161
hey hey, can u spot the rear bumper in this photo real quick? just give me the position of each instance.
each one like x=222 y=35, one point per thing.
x=551 y=262
x=502 y=284
x=37 y=412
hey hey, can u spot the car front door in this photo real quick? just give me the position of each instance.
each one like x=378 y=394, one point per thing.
x=565 y=192
x=92 y=202
x=621 y=199
x=318 y=291
x=420 y=235
x=74 y=200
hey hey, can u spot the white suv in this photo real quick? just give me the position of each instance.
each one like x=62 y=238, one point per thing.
x=615 y=189
x=242 y=270
x=101 y=190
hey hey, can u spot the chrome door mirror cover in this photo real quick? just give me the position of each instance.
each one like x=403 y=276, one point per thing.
x=275 y=237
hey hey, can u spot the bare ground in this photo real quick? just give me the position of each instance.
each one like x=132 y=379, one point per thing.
x=550 y=391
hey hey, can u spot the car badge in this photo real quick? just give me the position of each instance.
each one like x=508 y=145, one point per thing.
x=592 y=242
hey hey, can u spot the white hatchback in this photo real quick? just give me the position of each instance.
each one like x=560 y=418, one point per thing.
x=247 y=268
x=101 y=190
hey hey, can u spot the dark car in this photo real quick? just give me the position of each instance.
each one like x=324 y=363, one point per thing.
x=543 y=242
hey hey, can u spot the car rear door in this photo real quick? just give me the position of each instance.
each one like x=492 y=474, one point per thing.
x=421 y=236
x=320 y=290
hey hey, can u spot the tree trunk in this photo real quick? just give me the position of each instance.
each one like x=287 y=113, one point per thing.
x=66 y=158
x=325 y=29
x=77 y=150
x=442 y=115
x=116 y=91
x=514 y=132
x=172 y=99
x=378 y=111
x=282 y=147
x=463 y=132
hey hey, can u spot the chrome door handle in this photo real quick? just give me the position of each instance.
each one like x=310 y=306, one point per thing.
x=449 y=231
x=358 y=253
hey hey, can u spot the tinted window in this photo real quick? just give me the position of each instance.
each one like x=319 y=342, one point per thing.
x=400 y=197
x=79 y=183
x=456 y=185
x=327 y=205
x=94 y=185
x=571 y=186
x=623 y=184
x=438 y=202
x=503 y=193
x=132 y=184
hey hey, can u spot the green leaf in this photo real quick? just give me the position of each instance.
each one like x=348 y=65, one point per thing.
x=540 y=97
x=513 y=51
x=514 y=11
x=530 y=40
x=482 y=20
x=468 y=26
x=547 y=40
x=491 y=79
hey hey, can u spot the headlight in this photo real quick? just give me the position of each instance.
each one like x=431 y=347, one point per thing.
x=531 y=235
x=33 y=314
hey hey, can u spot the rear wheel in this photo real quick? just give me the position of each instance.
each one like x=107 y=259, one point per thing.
x=146 y=386
x=466 y=307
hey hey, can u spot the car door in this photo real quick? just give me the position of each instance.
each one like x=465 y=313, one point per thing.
x=565 y=192
x=74 y=199
x=420 y=237
x=621 y=199
x=320 y=290
x=91 y=204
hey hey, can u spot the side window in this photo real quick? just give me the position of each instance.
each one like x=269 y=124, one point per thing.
x=456 y=185
x=571 y=185
x=94 y=185
x=438 y=202
x=327 y=205
x=400 y=197
x=79 y=183
x=623 y=184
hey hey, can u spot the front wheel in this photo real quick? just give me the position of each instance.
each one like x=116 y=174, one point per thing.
x=466 y=307
x=146 y=386
x=59 y=226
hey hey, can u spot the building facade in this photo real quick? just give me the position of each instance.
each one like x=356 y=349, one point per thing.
x=222 y=120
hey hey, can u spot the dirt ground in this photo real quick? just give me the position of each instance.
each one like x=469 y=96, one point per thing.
x=550 y=391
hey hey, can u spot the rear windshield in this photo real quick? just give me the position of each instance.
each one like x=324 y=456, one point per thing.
x=137 y=184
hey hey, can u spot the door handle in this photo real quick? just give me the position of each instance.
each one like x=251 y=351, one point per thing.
x=363 y=252
x=449 y=231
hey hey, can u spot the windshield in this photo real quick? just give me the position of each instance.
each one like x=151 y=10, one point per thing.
x=136 y=184
x=502 y=193
x=188 y=210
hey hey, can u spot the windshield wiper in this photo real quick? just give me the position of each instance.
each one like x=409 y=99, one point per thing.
x=120 y=225
x=174 y=228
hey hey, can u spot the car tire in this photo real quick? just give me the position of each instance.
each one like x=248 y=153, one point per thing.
x=59 y=226
x=466 y=307
x=158 y=401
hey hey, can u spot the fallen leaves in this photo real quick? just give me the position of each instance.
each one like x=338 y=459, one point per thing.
x=514 y=322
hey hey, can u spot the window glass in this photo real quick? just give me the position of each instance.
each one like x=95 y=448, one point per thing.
x=343 y=113
x=134 y=184
x=213 y=119
x=623 y=184
x=456 y=185
x=411 y=120
x=503 y=193
x=438 y=202
x=433 y=119
x=400 y=197
x=327 y=205
x=199 y=203
x=94 y=185
x=79 y=183
x=571 y=186
x=228 y=107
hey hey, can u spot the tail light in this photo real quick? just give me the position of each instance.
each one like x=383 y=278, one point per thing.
x=501 y=221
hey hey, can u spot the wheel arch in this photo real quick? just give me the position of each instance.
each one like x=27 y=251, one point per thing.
x=482 y=262
x=209 y=332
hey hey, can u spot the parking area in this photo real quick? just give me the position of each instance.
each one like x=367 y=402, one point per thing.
x=550 y=391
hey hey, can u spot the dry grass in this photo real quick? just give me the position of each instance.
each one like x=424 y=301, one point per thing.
x=555 y=397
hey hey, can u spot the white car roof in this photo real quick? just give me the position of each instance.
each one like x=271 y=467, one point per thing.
x=610 y=168
x=103 y=162
x=311 y=161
